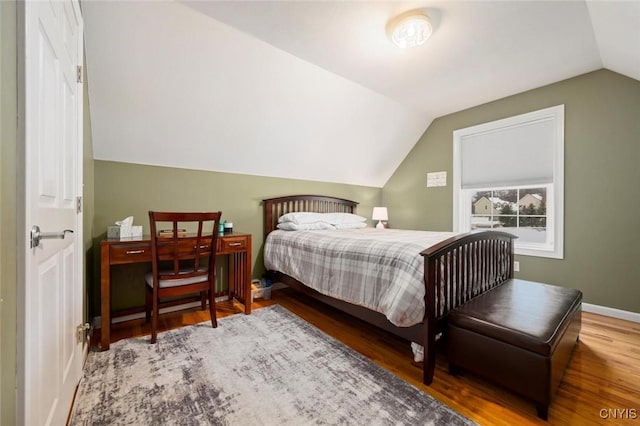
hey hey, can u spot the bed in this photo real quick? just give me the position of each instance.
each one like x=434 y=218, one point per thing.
x=453 y=268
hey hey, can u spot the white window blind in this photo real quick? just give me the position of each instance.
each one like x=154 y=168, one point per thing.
x=519 y=154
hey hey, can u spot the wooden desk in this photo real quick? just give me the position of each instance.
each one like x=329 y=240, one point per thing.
x=116 y=252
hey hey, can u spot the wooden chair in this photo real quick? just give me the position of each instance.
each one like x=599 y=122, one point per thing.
x=189 y=260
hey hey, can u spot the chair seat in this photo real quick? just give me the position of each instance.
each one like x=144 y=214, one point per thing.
x=179 y=282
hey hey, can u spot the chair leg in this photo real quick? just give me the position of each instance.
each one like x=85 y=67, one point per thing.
x=212 y=309
x=203 y=300
x=154 y=321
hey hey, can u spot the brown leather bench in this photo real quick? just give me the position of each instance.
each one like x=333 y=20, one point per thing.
x=519 y=335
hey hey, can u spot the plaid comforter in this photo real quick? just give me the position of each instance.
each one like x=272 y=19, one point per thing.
x=381 y=270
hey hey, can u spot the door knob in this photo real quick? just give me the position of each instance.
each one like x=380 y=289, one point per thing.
x=36 y=235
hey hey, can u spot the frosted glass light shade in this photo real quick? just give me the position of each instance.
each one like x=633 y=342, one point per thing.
x=410 y=30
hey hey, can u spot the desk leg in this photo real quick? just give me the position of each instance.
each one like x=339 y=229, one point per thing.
x=246 y=283
x=105 y=297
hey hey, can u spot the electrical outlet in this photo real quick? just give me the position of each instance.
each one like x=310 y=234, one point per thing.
x=516 y=266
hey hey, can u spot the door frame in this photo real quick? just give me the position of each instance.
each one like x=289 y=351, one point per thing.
x=21 y=217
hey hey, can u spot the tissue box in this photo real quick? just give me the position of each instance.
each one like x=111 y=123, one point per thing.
x=115 y=233
x=136 y=231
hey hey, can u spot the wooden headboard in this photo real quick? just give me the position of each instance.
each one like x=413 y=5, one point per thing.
x=276 y=207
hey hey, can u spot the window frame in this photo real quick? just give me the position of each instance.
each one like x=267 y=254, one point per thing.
x=462 y=211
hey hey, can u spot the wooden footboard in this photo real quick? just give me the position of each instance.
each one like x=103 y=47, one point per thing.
x=455 y=271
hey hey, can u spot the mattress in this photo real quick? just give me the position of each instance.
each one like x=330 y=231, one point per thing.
x=379 y=269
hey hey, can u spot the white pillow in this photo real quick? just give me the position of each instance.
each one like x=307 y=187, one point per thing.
x=313 y=226
x=311 y=217
x=339 y=218
x=301 y=217
x=354 y=225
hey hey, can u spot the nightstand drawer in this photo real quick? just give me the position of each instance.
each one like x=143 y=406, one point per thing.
x=233 y=243
x=129 y=253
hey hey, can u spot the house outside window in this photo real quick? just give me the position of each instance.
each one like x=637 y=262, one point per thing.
x=521 y=211
x=508 y=176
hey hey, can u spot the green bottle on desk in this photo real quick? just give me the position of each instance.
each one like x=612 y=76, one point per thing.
x=221 y=228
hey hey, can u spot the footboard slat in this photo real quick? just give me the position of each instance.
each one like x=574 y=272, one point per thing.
x=468 y=273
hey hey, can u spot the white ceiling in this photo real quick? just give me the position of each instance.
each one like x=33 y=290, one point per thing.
x=315 y=90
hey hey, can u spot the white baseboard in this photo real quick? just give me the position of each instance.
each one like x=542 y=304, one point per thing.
x=611 y=312
x=97 y=320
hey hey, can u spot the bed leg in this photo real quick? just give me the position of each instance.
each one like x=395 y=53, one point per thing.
x=429 y=360
x=429 y=368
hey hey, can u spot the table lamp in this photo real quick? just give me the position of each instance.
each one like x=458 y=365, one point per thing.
x=380 y=214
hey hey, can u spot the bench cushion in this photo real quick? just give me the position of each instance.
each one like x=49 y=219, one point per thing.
x=521 y=313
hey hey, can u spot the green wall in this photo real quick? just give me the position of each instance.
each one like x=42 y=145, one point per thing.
x=8 y=128
x=123 y=189
x=602 y=172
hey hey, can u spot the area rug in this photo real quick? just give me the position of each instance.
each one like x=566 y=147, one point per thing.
x=267 y=368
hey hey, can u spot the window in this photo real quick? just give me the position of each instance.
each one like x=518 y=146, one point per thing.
x=508 y=175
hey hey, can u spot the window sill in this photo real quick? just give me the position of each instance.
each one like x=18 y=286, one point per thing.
x=539 y=252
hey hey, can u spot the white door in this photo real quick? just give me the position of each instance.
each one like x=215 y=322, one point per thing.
x=53 y=174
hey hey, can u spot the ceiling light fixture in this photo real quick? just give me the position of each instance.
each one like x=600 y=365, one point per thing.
x=410 y=29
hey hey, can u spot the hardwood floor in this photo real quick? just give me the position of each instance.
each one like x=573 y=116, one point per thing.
x=601 y=385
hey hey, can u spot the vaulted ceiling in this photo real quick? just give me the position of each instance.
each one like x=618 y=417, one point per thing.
x=315 y=90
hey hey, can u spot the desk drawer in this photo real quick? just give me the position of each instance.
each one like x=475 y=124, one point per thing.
x=233 y=244
x=130 y=253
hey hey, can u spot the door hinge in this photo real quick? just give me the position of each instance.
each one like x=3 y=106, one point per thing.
x=78 y=204
x=83 y=331
x=79 y=73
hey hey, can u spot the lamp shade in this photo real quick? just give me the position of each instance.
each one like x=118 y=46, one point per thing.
x=380 y=213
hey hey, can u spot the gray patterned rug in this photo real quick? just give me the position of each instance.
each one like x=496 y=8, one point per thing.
x=269 y=368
